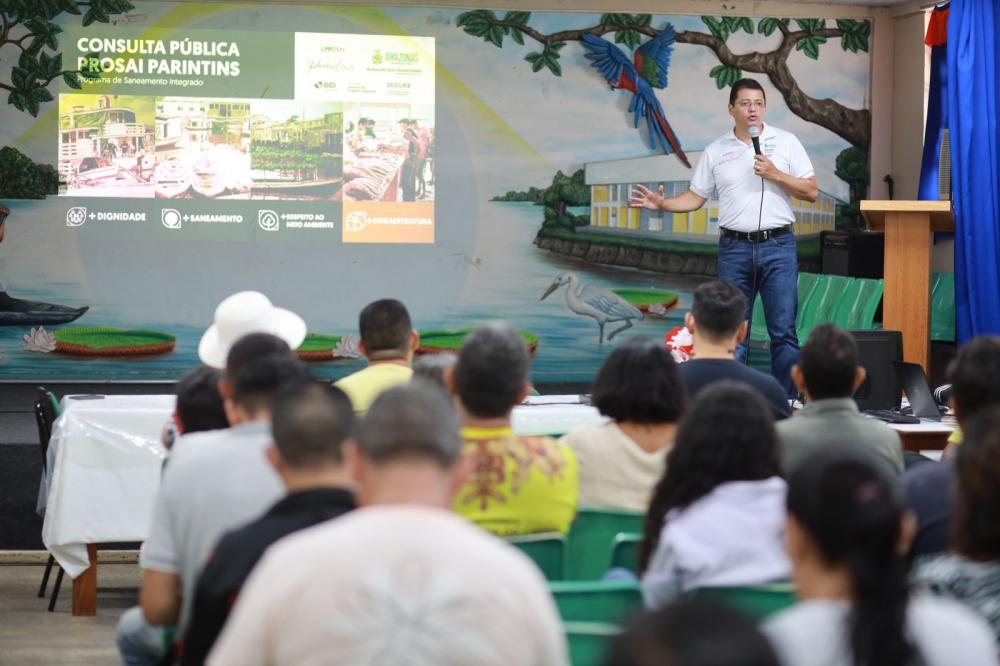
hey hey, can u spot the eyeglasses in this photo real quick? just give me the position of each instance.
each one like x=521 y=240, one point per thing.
x=751 y=104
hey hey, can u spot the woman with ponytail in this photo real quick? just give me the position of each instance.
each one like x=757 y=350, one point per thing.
x=717 y=514
x=847 y=536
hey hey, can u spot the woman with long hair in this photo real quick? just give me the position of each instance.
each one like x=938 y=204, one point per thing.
x=641 y=390
x=716 y=516
x=847 y=537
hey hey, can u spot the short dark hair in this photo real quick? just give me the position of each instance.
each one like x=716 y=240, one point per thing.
x=411 y=421
x=432 y=366
x=491 y=371
x=251 y=347
x=199 y=403
x=692 y=632
x=976 y=528
x=257 y=381
x=640 y=382
x=744 y=84
x=829 y=362
x=385 y=329
x=718 y=309
x=975 y=375
x=310 y=421
x=727 y=435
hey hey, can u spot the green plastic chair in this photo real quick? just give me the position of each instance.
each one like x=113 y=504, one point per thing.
x=847 y=308
x=610 y=602
x=625 y=551
x=591 y=538
x=757 y=601
x=547 y=550
x=818 y=308
x=758 y=327
x=871 y=296
x=804 y=285
x=943 y=307
x=759 y=336
x=589 y=642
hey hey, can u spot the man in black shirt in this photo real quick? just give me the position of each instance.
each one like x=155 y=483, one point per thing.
x=717 y=323
x=310 y=424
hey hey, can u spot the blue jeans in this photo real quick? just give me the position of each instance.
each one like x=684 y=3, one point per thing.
x=777 y=269
x=139 y=643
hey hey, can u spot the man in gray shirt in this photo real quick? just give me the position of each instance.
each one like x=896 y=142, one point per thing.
x=828 y=374
x=214 y=482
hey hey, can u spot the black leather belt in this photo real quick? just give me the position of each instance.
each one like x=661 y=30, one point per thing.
x=755 y=236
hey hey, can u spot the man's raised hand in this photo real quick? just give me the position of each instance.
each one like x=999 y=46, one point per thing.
x=643 y=197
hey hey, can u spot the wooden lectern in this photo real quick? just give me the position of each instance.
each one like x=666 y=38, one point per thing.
x=906 y=300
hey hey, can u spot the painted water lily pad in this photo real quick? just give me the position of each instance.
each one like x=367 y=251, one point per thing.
x=323 y=347
x=644 y=299
x=437 y=341
x=108 y=341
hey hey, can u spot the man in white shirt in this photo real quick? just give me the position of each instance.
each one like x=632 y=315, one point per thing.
x=403 y=579
x=756 y=246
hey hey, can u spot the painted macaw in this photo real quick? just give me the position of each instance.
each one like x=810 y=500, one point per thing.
x=650 y=70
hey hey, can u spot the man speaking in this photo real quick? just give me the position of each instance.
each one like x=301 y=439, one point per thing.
x=752 y=170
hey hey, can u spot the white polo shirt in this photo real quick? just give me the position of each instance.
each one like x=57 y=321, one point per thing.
x=725 y=170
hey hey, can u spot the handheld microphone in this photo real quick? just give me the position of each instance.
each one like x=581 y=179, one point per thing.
x=755 y=137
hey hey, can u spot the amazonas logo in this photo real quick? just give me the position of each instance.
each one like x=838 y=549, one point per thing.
x=76 y=216
x=377 y=57
x=356 y=220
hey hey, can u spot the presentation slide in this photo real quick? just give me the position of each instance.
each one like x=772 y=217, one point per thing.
x=317 y=131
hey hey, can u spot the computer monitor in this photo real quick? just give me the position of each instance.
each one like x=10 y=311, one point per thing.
x=877 y=350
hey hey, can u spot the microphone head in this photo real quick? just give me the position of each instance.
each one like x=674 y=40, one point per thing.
x=754 y=132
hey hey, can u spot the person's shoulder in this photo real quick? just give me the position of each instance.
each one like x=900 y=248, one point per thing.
x=942 y=616
x=930 y=474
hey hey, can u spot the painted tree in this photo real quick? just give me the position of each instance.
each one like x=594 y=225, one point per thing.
x=30 y=32
x=807 y=36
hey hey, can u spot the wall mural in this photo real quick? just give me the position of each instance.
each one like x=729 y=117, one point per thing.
x=474 y=164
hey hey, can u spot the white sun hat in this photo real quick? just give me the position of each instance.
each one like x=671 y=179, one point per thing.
x=247 y=312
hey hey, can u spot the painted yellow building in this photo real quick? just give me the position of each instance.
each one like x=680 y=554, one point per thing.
x=610 y=183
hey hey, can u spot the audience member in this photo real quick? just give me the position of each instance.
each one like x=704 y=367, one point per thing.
x=432 y=366
x=402 y=580
x=972 y=573
x=216 y=481
x=310 y=423
x=518 y=485
x=388 y=341
x=717 y=325
x=692 y=632
x=640 y=389
x=929 y=488
x=243 y=313
x=828 y=374
x=199 y=405
x=717 y=514
x=847 y=534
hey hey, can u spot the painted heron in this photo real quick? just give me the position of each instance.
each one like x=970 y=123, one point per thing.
x=604 y=305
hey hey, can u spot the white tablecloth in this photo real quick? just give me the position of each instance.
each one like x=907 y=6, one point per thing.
x=103 y=472
x=105 y=459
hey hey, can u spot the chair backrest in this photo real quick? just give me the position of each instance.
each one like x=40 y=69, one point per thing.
x=46 y=412
x=758 y=327
x=625 y=551
x=847 y=308
x=547 y=550
x=804 y=285
x=757 y=601
x=943 y=307
x=871 y=296
x=591 y=538
x=818 y=308
x=611 y=602
x=589 y=642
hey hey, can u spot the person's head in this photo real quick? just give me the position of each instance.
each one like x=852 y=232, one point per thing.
x=640 y=383
x=408 y=447
x=718 y=314
x=847 y=531
x=727 y=435
x=976 y=528
x=491 y=374
x=256 y=367
x=386 y=331
x=199 y=403
x=828 y=364
x=310 y=421
x=975 y=376
x=691 y=632
x=432 y=366
x=747 y=104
